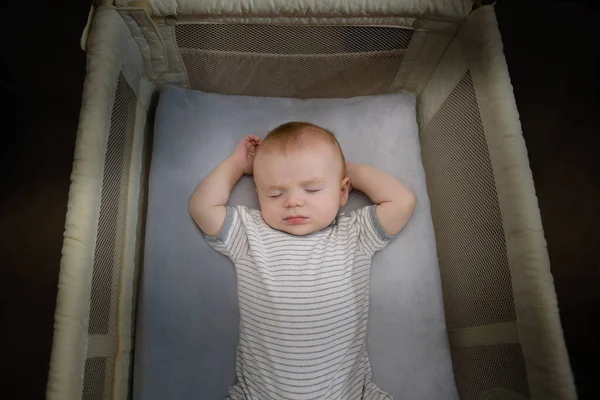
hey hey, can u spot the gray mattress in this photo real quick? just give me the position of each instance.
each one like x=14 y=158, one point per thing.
x=186 y=334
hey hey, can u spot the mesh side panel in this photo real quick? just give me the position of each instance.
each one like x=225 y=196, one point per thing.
x=464 y=205
x=108 y=254
x=94 y=378
x=290 y=39
x=291 y=61
x=295 y=76
x=471 y=246
x=490 y=372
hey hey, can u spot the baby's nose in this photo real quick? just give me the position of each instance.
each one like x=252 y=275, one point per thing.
x=293 y=200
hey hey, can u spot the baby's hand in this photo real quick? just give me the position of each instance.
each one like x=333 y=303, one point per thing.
x=245 y=151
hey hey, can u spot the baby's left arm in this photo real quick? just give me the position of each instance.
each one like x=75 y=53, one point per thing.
x=395 y=202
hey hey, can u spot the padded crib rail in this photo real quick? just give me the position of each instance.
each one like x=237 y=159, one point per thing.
x=290 y=55
x=455 y=10
x=93 y=320
x=501 y=309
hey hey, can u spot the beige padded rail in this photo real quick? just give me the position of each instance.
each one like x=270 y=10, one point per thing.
x=470 y=94
x=538 y=322
x=454 y=10
x=93 y=317
x=177 y=50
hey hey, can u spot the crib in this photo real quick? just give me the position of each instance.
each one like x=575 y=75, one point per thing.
x=500 y=306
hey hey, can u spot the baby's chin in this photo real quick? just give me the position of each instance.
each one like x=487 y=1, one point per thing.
x=298 y=230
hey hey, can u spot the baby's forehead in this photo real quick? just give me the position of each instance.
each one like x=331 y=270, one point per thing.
x=305 y=154
x=307 y=140
x=300 y=163
x=315 y=154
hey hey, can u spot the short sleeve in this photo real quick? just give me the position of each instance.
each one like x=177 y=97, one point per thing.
x=371 y=235
x=233 y=240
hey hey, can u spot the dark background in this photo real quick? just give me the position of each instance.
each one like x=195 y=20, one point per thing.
x=554 y=64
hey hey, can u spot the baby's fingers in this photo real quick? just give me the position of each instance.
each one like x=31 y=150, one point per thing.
x=254 y=141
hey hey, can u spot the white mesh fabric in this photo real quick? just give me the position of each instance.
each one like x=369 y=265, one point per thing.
x=291 y=61
x=470 y=238
x=476 y=279
x=108 y=255
x=490 y=372
x=94 y=379
x=106 y=278
x=291 y=39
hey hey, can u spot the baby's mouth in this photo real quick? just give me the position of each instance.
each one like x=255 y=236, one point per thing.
x=295 y=219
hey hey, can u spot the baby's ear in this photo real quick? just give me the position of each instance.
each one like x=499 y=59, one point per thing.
x=347 y=184
x=345 y=191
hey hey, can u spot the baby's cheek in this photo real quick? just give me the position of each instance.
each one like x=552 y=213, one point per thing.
x=331 y=211
x=269 y=214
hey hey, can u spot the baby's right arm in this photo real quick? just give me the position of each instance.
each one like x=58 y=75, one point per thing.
x=207 y=205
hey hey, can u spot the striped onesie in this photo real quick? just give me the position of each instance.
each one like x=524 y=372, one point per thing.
x=303 y=304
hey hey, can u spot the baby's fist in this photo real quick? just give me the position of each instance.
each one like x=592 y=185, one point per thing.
x=245 y=151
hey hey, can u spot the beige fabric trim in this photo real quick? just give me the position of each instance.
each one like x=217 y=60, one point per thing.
x=122 y=359
x=451 y=70
x=144 y=46
x=440 y=9
x=144 y=92
x=383 y=20
x=177 y=74
x=86 y=30
x=101 y=345
x=410 y=63
x=392 y=21
x=540 y=332
x=133 y=72
x=435 y=46
x=486 y=335
x=111 y=50
x=422 y=56
x=149 y=40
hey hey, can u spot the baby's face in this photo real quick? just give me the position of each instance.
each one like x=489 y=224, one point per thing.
x=300 y=192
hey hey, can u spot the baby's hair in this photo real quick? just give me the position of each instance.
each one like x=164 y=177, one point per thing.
x=292 y=135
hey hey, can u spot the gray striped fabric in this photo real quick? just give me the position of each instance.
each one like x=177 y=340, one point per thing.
x=303 y=303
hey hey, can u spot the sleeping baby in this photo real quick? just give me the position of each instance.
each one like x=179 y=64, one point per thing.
x=302 y=266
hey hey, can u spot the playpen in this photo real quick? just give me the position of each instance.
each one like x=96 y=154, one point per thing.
x=501 y=311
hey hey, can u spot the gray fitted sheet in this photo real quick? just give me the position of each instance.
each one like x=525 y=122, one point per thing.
x=187 y=326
